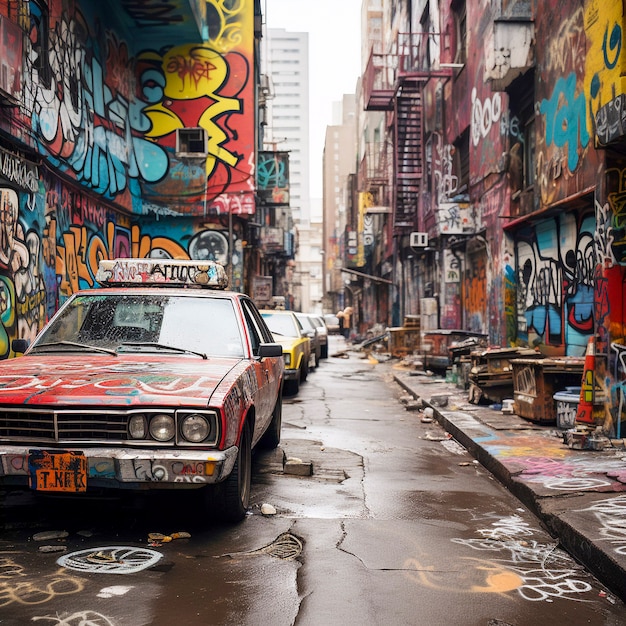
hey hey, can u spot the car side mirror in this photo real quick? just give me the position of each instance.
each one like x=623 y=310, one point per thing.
x=270 y=349
x=20 y=345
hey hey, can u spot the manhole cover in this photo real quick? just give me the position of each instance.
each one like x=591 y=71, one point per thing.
x=285 y=546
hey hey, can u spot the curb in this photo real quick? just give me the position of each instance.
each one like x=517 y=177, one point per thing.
x=581 y=547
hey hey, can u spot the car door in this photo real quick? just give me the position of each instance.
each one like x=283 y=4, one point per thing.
x=268 y=370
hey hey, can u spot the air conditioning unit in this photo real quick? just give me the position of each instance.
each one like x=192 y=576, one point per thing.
x=418 y=240
x=191 y=142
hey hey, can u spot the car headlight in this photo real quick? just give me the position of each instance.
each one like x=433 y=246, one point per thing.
x=287 y=358
x=162 y=427
x=137 y=427
x=195 y=428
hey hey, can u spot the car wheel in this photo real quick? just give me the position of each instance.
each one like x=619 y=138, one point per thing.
x=304 y=371
x=233 y=494
x=292 y=387
x=324 y=354
x=271 y=437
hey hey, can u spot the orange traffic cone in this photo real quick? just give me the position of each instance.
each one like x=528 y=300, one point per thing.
x=584 y=413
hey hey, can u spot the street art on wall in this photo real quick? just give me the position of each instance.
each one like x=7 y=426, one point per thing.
x=108 y=117
x=111 y=120
x=570 y=77
x=555 y=283
x=51 y=244
x=273 y=177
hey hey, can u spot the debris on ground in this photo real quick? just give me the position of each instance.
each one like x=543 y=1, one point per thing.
x=48 y=548
x=440 y=400
x=268 y=509
x=298 y=467
x=48 y=535
x=156 y=539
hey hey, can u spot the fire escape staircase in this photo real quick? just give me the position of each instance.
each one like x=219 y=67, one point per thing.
x=408 y=154
x=393 y=83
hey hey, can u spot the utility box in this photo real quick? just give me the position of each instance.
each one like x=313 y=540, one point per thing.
x=535 y=381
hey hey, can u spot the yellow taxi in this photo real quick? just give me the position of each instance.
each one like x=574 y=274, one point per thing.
x=288 y=331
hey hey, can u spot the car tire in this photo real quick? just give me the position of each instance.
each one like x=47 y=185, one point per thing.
x=292 y=387
x=304 y=371
x=271 y=437
x=324 y=354
x=233 y=494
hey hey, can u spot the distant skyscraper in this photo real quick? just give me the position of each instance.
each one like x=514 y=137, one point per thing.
x=286 y=62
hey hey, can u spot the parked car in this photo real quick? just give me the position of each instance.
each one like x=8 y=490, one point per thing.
x=159 y=379
x=322 y=333
x=310 y=328
x=288 y=331
x=332 y=323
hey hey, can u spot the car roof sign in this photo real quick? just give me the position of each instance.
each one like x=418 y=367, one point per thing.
x=162 y=272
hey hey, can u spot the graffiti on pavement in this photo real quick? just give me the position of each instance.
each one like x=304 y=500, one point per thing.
x=611 y=514
x=111 y=560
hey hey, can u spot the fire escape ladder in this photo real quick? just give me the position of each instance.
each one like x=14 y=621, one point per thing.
x=408 y=156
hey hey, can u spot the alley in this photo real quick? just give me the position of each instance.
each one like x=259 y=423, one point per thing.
x=370 y=515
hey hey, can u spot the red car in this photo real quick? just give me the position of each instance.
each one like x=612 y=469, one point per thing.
x=159 y=379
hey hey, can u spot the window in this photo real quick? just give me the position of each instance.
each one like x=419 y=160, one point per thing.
x=461 y=160
x=256 y=329
x=191 y=141
x=522 y=133
x=459 y=10
x=39 y=37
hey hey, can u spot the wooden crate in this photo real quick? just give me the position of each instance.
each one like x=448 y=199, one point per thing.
x=403 y=341
x=535 y=381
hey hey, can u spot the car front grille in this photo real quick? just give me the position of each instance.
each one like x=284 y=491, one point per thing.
x=62 y=426
x=93 y=427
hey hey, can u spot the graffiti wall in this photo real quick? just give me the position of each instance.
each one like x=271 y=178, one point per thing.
x=117 y=175
x=51 y=242
x=110 y=116
x=568 y=65
x=555 y=283
x=161 y=129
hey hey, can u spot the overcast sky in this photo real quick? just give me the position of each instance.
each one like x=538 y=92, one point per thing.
x=334 y=28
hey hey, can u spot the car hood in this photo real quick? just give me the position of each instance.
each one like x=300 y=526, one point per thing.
x=289 y=343
x=123 y=380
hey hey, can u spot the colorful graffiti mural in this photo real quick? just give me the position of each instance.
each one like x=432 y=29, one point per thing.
x=106 y=115
x=109 y=118
x=51 y=244
x=555 y=283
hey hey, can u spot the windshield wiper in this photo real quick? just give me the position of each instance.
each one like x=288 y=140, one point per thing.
x=74 y=344
x=152 y=344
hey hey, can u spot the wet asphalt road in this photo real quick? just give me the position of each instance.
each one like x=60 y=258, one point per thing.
x=396 y=525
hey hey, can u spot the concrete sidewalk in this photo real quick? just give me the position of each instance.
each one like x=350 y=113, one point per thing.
x=580 y=495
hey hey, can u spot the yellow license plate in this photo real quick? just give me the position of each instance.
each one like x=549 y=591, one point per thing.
x=57 y=471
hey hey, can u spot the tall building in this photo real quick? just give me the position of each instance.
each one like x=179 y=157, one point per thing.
x=286 y=62
x=339 y=165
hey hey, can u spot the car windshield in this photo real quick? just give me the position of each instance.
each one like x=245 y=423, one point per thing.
x=281 y=324
x=305 y=321
x=154 y=322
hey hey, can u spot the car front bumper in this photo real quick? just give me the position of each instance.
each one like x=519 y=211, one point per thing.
x=125 y=468
x=290 y=374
